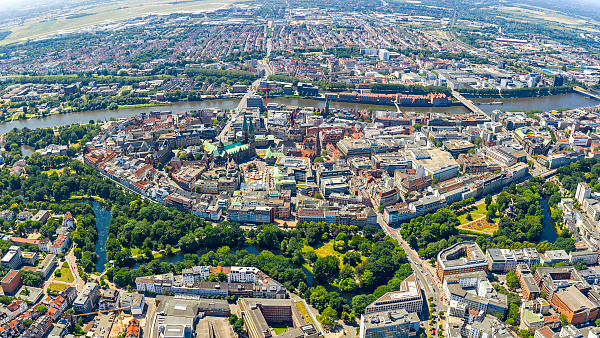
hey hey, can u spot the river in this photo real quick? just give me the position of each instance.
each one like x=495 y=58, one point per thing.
x=545 y=103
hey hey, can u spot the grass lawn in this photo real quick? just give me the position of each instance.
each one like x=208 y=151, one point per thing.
x=477 y=211
x=51 y=171
x=65 y=276
x=135 y=252
x=279 y=328
x=322 y=249
x=56 y=287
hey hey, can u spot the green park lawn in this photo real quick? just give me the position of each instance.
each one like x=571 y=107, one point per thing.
x=65 y=275
x=57 y=287
x=477 y=211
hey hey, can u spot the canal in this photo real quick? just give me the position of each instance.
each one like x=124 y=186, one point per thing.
x=103 y=218
x=549 y=231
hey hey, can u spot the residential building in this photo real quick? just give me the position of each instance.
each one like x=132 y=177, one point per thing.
x=87 y=298
x=47 y=266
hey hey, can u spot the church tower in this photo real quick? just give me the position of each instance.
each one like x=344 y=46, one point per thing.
x=251 y=138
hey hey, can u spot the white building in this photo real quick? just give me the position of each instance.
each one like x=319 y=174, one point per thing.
x=583 y=191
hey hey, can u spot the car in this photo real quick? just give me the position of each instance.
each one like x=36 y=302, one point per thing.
x=433 y=332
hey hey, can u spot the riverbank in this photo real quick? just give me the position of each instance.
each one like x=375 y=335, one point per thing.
x=56 y=120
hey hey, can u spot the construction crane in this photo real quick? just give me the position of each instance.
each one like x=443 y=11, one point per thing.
x=103 y=311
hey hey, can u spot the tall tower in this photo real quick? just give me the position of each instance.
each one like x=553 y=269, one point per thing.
x=326 y=107
x=245 y=129
x=250 y=138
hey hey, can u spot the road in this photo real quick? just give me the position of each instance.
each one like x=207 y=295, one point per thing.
x=70 y=257
x=242 y=105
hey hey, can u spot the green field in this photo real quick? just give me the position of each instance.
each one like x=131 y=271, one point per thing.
x=65 y=276
x=323 y=249
x=477 y=211
x=94 y=14
x=56 y=287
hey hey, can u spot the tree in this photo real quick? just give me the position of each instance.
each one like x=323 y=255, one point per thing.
x=325 y=268
x=380 y=208
x=319 y=159
x=417 y=126
x=512 y=280
x=41 y=308
x=222 y=277
x=311 y=256
x=488 y=201
x=302 y=287
x=524 y=333
x=328 y=316
x=324 y=153
x=564 y=321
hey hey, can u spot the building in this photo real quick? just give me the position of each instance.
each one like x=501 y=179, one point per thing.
x=583 y=191
x=7 y=215
x=472 y=162
x=504 y=260
x=132 y=302
x=529 y=286
x=389 y=324
x=260 y=314
x=552 y=257
x=60 y=245
x=407 y=298
x=457 y=147
x=47 y=265
x=574 y=305
x=461 y=258
x=475 y=291
x=41 y=216
x=11 y=282
x=259 y=214
x=87 y=298
x=13 y=258
x=587 y=256
x=109 y=299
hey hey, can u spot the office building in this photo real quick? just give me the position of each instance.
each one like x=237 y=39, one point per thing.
x=389 y=324
x=461 y=258
x=407 y=298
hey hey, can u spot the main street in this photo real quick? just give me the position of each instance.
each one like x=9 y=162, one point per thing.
x=242 y=105
x=425 y=276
